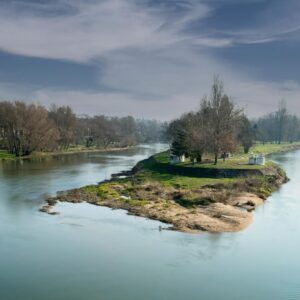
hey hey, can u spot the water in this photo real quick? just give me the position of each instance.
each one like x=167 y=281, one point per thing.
x=95 y=253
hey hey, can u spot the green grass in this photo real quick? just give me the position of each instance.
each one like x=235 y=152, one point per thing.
x=187 y=182
x=239 y=160
x=275 y=148
x=158 y=168
x=4 y=155
x=154 y=170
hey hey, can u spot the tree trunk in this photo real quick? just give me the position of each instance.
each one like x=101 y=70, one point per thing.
x=216 y=158
x=199 y=158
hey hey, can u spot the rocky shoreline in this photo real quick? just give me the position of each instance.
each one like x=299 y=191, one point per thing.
x=212 y=208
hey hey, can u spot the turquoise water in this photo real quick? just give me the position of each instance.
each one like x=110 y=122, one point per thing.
x=95 y=253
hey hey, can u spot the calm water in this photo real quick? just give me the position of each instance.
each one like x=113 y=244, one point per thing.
x=94 y=253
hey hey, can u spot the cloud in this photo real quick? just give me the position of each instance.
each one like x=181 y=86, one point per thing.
x=154 y=67
x=273 y=20
x=93 y=29
x=248 y=95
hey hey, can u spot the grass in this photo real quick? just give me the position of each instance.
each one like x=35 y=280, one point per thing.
x=154 y=169
x=239 y=160
x=190 y=176
x=4 y=155
x=178 y=181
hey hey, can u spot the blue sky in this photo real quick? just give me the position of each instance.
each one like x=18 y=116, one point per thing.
x=149 y=58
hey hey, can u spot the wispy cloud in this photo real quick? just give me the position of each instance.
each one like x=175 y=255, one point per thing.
x=94 y=28
x=156 y=64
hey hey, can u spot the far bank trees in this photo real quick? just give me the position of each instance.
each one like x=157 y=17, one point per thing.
x=25 y=128
x=278 y=127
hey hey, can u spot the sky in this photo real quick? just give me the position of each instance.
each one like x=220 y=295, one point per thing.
x=149 y=58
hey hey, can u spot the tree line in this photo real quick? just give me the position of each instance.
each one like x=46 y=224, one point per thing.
x=219 y=127
x=25 y=128
x=277 y=127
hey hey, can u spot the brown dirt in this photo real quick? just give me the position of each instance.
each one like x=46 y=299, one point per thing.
x=219 y=214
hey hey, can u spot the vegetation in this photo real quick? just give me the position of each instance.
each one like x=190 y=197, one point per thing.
x=25 y=129
x=189 y=175
x=280 y=126
x=4 y=155
x=219 y=128
x=214 y=128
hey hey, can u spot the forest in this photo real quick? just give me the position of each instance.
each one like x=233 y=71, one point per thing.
x=26 y=128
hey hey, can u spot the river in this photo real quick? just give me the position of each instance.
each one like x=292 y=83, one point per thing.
x=95 y=253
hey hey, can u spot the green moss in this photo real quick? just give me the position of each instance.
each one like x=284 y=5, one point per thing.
x=90 y=188
x=104 y=191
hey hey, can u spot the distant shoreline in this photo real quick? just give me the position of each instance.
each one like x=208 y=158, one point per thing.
x=58 y=153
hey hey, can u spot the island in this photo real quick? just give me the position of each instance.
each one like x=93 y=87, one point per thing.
x=189 y=197
x=215 y=173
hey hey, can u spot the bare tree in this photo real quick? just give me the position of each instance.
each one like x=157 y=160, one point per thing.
x=246 y=134
x=281 y=116
x=65 y=121
x=26 y=128
x=223 y=120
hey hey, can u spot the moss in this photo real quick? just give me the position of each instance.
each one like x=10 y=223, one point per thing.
x=104 y=191
x=90 y=189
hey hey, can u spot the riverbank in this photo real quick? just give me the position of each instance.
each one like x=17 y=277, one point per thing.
x=4 y=155
x=189 y=203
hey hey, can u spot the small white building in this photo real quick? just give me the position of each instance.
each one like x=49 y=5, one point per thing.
x=257 y=160
x=174 y=159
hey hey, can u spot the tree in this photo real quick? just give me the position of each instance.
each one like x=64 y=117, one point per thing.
x=246 y=134
x=223 y=121
x=292 y=128
x=197 y=132
x=178 y=133
x=281 y=116
x=26 y=128
x=65 y=121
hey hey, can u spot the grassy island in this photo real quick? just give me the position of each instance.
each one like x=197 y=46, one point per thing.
x=190 y=197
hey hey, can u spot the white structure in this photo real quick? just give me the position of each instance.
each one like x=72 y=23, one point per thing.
x=257 y=160
x=261 y=160
x=174 y=159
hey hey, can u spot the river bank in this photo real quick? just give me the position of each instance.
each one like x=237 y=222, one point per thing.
x=187 y=203
x=7 y=156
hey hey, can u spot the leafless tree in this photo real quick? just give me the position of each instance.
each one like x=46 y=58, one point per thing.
x=223 y=121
